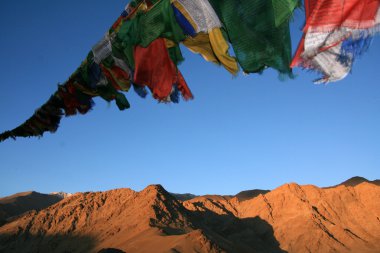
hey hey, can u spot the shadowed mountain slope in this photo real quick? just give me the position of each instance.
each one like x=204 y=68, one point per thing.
x=358 y=180
x=23 y=202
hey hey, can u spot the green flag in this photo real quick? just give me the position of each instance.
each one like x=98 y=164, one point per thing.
x=257 y=39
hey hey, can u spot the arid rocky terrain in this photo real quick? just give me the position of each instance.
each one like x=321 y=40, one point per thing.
x=290 y=218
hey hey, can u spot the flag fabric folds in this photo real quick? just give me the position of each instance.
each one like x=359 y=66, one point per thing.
x=141 y=50
x=148 y=25
x=159 y=72
x=257 y=39
x=334 y=34
x=198 y=17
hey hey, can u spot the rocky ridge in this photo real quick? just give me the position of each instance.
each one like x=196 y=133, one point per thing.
x=291 y=218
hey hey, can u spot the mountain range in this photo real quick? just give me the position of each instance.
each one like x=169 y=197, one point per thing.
x=290 y=218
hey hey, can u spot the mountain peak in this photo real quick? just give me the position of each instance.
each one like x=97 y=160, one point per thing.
x=17 y=195
x=355 y=181
x=154 y=190
x=155 y=187
x=62 y=195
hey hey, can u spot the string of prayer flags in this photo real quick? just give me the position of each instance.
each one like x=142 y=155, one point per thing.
x=142 y=49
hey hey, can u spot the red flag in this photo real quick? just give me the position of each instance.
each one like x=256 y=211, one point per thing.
x=155 y=69
x=326 y=15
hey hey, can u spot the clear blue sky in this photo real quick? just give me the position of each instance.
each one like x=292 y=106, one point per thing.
x=238 y=133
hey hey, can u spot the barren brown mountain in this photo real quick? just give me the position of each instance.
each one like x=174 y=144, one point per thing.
x=291 y=218
x=23 y=202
